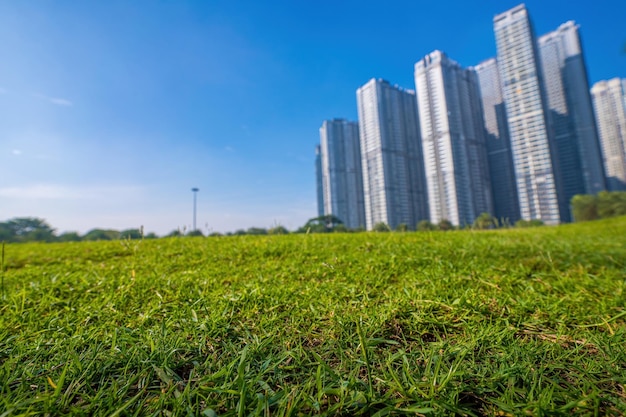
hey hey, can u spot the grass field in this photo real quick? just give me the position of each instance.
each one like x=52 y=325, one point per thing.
x=520 y=321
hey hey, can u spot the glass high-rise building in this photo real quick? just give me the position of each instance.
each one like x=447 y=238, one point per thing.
x=609 y=102
x=391 y=151
x=342 y=180
x=318 y=181
x=499 y=154
x=570 y=113
x=534 y=158
x=453 y=141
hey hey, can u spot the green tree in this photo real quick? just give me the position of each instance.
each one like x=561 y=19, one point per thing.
x=445 y=225
x=584 y=207
x=381 y=227
x=29 y=229
x=174 y=233
x=529 y=223
x=102 y=234
x=425 y=225
x=256 y=231
x=321 y=224
x=131 y=234
x=194 y=233
x=402 y=227
x=484 y=221
x=69 y=237
x=611 y=203
x=278 y=230
x=6 y=233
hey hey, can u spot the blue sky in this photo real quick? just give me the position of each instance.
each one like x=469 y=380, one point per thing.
x=111 y=111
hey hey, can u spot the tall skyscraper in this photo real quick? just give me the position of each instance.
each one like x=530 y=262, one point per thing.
x=455 y=160
x=318 y=181
x=570 y=117
x=499 y=153
x=341 y=172
x=393 y=170
x=609 y=102
x=534 y=158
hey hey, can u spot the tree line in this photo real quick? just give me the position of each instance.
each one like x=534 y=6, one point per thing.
x=584 y=208
x=31 y=229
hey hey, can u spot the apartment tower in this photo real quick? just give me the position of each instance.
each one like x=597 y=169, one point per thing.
x=453 y=141
x=534 y=159
x=499 y=153
x=609 y=102
x=391 y=152
x=318 y=181
x=342 y=180
x=570 y=113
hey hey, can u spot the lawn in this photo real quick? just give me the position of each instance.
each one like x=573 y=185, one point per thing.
x=507 y=322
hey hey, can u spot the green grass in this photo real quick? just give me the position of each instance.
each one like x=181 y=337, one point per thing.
x=474 y=323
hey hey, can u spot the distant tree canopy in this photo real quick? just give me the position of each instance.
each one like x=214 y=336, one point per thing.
x=278 y=230
x=196 y=232
x=445 y=225
x=131 y=234
x=381 y=227
x=32 y=229
x=402 y=227
x=102 y=234
x=528 y=223
x=425 y=225
x=485 y=221
x=69 y=237
x=27 y=229
x=591 y=207
x=584 y=207
x=321 y=224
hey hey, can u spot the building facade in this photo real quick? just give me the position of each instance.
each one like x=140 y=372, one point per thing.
x=391 y=151
x=342 y=180
x=453 y=141
x=570 y=113
x=534 y=157
x=319 y=186
x=499 y=153
x=609 y=102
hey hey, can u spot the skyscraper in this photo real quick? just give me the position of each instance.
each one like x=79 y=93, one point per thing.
x=609 y=102
x=455 y=160
x=318 y=181
x=499 y=154
x=393 y=171
x=341 y=172
x=534 y=158
x=570 y=116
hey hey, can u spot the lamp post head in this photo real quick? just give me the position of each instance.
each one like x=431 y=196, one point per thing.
x=195 y=190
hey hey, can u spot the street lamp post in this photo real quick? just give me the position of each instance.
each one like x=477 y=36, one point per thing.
x=195 y=192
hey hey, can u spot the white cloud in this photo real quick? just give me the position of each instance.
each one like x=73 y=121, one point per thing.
x=16 y=152
x=54 y=100
x=60 y=101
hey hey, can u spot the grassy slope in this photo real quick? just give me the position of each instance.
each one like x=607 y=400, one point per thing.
x=501 y=322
